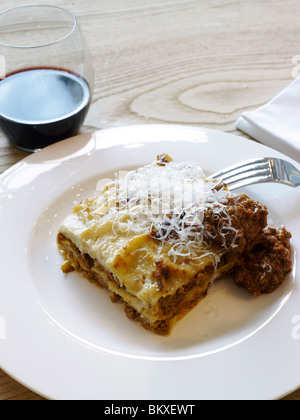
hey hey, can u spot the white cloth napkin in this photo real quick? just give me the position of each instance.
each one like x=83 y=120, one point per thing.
x=277 y=124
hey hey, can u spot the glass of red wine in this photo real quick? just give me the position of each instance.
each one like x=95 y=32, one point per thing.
x=46 y=76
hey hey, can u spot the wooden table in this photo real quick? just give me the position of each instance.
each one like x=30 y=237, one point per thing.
x=191 y=62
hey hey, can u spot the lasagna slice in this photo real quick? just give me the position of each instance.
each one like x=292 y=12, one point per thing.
x=157 y=237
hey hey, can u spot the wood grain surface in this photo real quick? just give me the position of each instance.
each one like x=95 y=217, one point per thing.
x=191 y=62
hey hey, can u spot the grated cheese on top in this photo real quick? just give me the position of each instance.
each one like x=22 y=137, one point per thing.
x=168 y=201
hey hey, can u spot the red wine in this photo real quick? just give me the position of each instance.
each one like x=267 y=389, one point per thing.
x=41 y=106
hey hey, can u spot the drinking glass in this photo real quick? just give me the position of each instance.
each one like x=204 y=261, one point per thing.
x=46 y=76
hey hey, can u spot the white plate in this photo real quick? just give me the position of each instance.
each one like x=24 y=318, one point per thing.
x=63 y=338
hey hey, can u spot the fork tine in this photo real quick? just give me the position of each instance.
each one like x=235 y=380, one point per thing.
x=249 y=170
x=250 y=181
x=256 y=171
x=248 y=175
x=252 y=164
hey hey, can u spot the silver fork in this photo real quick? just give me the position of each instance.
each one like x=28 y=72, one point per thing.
x=257 y=171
